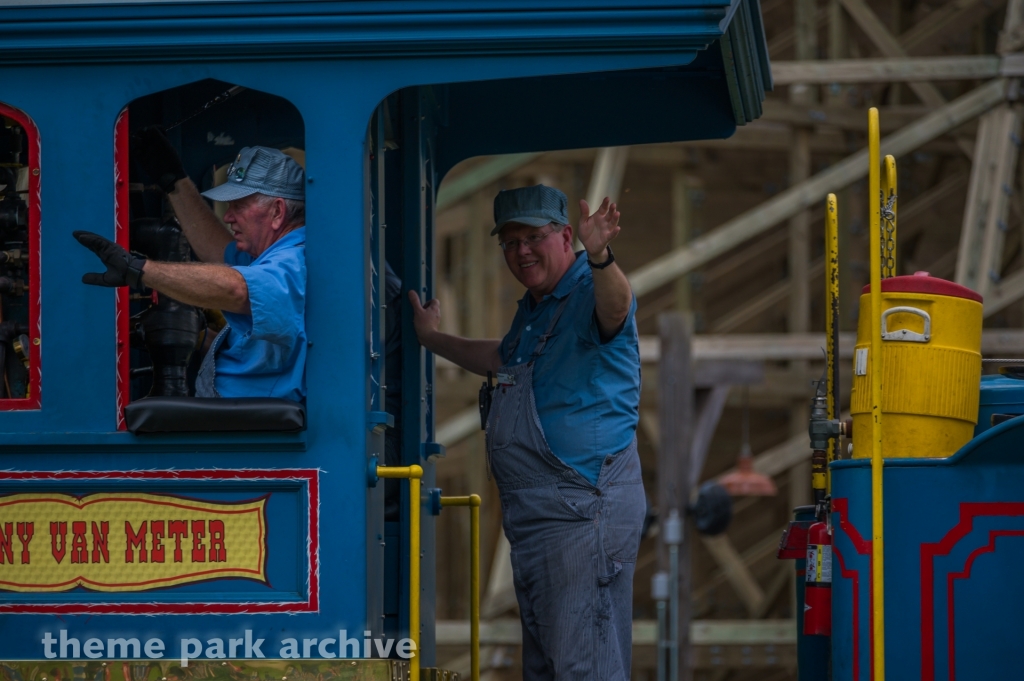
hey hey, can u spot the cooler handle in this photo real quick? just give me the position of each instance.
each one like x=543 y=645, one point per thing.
x=906 y=334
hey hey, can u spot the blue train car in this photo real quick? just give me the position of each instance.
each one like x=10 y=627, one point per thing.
x=248 y=536
x=953 y=550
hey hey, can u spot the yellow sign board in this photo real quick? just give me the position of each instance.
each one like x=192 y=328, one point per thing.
x=127 y=542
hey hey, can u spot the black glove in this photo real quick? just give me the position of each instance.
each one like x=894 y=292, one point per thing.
x=157 y=156
x=123 y=268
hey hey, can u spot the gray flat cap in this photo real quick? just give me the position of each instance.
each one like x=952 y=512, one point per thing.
x=535 y=206
x=261 y=170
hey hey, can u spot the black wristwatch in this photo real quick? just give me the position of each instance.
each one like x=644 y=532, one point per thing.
x=609 y=261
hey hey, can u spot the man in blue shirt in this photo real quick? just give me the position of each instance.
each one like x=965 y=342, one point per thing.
x=255 y=273
x=561 y=432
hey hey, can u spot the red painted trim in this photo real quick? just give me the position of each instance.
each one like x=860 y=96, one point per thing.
x=863 y=547
x=121 y=309
x=312 y=604
x=35 y=323
x=968 y=512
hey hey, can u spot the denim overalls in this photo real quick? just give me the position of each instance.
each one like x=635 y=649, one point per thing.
x=574 y=545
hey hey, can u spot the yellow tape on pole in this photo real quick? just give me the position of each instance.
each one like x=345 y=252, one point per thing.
x=832 y=321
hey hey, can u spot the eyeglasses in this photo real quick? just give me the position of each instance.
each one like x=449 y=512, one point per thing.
x=531 y=241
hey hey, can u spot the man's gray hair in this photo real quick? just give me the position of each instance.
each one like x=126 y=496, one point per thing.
x=294 y=210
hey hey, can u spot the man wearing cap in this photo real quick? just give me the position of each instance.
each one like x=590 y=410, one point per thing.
x=561 y=432
x=255 y=273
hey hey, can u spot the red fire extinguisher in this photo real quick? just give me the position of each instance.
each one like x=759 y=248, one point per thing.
x=818 y=588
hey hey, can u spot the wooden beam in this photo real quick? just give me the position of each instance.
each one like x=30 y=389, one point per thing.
x=476 y=178
x=773 y=295
x=1006 y=292
x=736 y=571
x=459 y=427
x=891 y=118
x=886 y=70
x=675 y=417
x=710 y=414
x=782 y=578
x=889 y=46
x=782 y=347
x=500 y=596
x=953 y=17
x=988 y=205
x=785 y=38
x=606 y=178
x=753 y=554
x=508 y=632
x=812 y=191
x=980 y=261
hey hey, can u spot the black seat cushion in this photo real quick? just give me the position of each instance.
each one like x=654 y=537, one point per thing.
x=214 y=414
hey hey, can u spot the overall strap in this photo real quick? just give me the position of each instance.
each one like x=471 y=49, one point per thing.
x=514 y=345
x=543 y=340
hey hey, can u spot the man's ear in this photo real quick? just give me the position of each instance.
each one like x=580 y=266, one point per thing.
x=567 y=234
x=280 y=211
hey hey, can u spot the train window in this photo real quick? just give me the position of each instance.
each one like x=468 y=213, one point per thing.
x=20 y=337
x=198 y=365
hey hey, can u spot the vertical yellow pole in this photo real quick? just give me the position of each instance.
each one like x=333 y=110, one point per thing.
x=414 y=569
x=832 y=321
x=889 y=238
x=875 y=362
x=473 y=501
x=474 y=586
x=413 y=474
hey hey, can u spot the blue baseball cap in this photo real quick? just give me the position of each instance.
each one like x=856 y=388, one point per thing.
x=261 y=170
x=535 y=206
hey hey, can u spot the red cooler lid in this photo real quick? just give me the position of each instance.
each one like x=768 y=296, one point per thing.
x=922 y=282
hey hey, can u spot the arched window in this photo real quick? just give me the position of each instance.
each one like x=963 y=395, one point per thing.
x=20 y=337
x=160 y=341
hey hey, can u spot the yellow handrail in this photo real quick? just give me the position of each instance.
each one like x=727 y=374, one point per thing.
x=889 y=194
x=473 y=502
x=413 y=474
x=875 y=361
x=831 y=321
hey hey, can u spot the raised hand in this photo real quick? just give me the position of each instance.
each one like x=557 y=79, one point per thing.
x=154 y=152
x=426 y=318
x=597 y=231
x=123 y=268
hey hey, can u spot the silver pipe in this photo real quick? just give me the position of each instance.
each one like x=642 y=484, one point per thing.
x=673 y=538
x=660 y=593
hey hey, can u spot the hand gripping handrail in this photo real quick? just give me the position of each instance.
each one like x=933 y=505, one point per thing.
x=413 y=475
x=473 y=502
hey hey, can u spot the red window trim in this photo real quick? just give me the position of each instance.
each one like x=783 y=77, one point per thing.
x=35 y=380
x=121 y=310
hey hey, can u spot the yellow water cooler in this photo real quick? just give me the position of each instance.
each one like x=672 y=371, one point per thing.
x=931 y=367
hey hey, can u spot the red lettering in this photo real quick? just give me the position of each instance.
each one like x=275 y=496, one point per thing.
x=135 y=540
x=6 y=543
x=156 y=529
x=79 y=548
x=25 y=532
x=198 y=550
x=60 y=529
x=218 y=554
x=177 y=529
x=99 y=541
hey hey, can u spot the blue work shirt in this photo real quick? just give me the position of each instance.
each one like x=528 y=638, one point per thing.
x=263 y=354
x=587 y=392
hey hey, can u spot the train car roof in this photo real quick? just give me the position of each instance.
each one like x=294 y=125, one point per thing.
x=686 y=69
